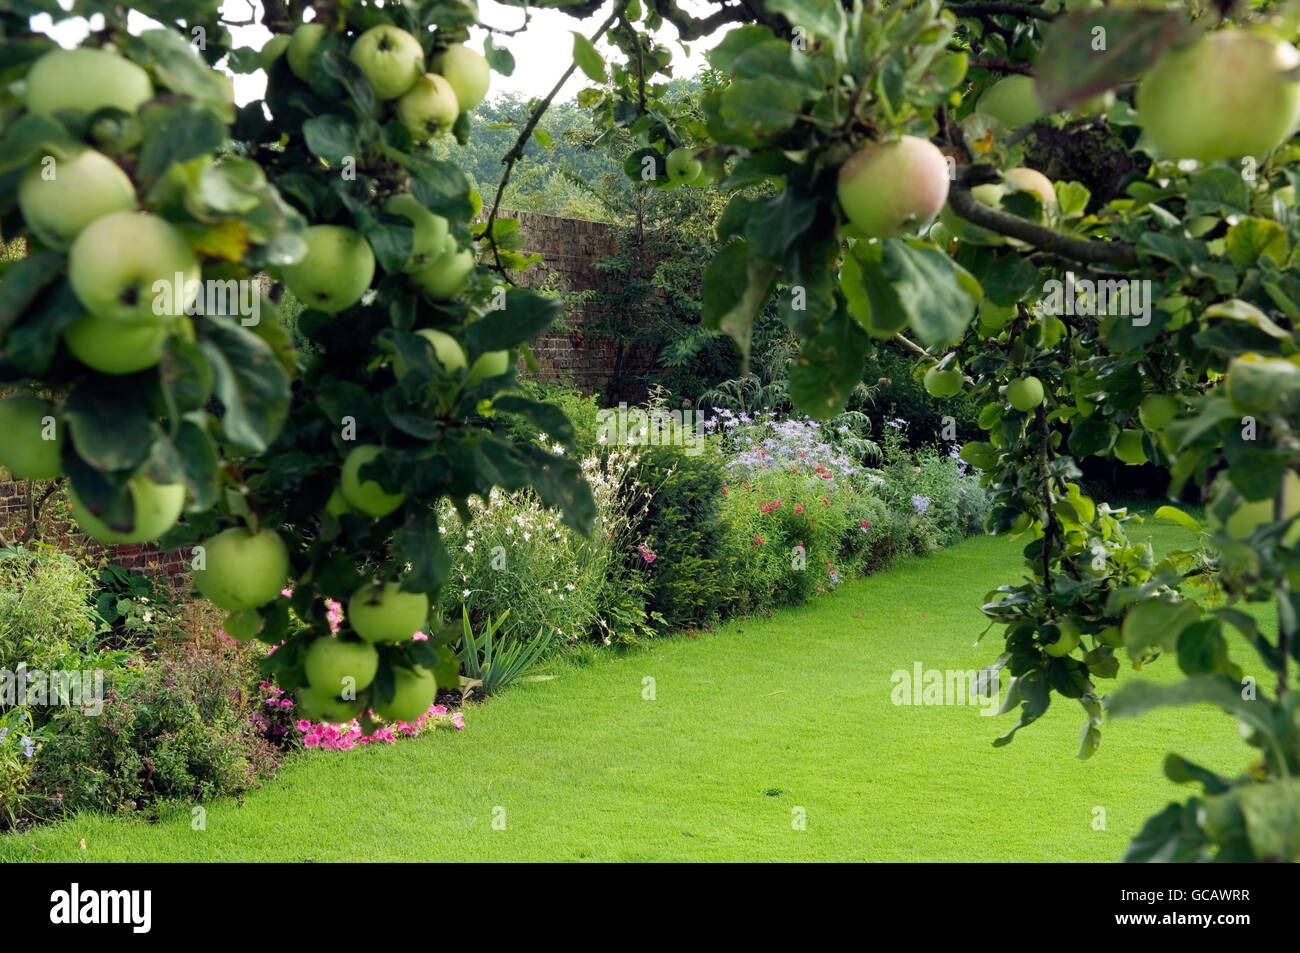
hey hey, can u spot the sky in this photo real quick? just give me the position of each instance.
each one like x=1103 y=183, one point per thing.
x=542 y=53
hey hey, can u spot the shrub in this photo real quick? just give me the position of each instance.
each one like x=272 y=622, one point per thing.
x=177 y=727
x=45 y=615
x=19 y=742
x=516 y=555
x=582 y=410
x=682 y=535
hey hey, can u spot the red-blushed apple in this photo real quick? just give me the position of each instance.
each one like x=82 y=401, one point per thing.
x=391 y=59
x=61 y=198
x=467 y=72
x=429 y=108
x=157 y=508
x=126 y=267
x=1225 y=95
x=335 y=272
x=366 y=496
x=889 y=188
x=85 y=79
x=242 y=570
x=386 y=613
x=25 y=424
x=415 y=691
x=330 y=661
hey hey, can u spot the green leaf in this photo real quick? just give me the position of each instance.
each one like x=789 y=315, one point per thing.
x=1172 y=836
x=823 y=19
x=824 y=374
x=1251 y=238
x=1138 y=698
x=187 y=131
x=1181 y=771
x=735 y=289
x=499 y=58
x=420 y=544
x=250 y=383
x=32 y=344
x=1070 y=68
x=1272 y=814
x=929 y=291
x=1156 y=622
x=588 y=58
x=332 y=137
x=1035 y=696
x=110 y=424
x=525 y=315
x=1174 y=515
x=774 y=225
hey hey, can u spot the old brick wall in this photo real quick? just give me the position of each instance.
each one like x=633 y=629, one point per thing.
x=14 y=527
x=570 y=249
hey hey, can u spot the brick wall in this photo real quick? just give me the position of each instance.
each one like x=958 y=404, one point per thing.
x=143 y=558
x=570 y=249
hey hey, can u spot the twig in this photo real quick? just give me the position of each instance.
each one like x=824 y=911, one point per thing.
x=1082 y=250
x=982 y=8
x=517 y=150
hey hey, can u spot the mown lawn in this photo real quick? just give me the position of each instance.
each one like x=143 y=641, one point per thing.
x=750 y=727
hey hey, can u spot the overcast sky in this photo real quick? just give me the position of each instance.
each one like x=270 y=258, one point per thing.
x=542 y=53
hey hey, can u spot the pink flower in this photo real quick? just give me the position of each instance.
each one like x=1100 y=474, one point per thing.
x=459 y=721
x=798 y=507
x=286 y=592
x=420 y=637
x=826 y=500
x=759 y=538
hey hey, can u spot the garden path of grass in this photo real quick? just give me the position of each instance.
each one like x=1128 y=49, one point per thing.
x=748 y=724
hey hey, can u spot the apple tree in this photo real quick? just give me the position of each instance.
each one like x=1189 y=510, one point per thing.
x=1082 y=214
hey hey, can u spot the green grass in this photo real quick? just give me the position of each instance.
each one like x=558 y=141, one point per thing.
x=748 y=724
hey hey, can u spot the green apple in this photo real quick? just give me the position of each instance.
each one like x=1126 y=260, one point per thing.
x=366 y=495
x=1156 y=410
x=430 y=231
x=994 y=317
x=467 y=72
x=448 y=350
x=386 y=613
x=85 y=79
x=889 y=188
x=390 y=57
x=489 y=364
x=242 y=570
x=1128 y=448
x=117 y=260
x=157 y=508
x=683 y=167
x=703 y=180
x=319 y=705
x=302 y=44
x=330 y=660
x=335 y=272
x=111 y=347
x=1251 y=514
x=1225 y=95
x=337 y=504
x=1067 y=642
x=76 y=192
x=1012 y=101
x=429 y=108
x=942 y=383
x=448 y=275
x=25 y=452
x=273 y=50
x=1025 y=393
x=415 y=691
